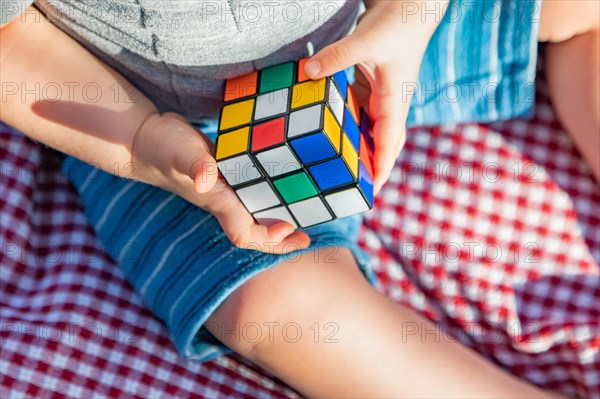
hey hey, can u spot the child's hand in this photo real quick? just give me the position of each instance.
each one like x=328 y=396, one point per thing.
x=170 y=153
x=387 y=45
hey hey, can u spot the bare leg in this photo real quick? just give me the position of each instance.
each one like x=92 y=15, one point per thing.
x=573 y=67
x=364 y=351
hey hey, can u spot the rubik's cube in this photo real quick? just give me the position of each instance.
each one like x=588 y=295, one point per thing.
x=295 y=149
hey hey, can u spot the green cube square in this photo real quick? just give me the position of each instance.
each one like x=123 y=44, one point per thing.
x=276 y=77
x=295 y=187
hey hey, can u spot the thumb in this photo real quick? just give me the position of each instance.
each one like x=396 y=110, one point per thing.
x=204 y=172
x=194 y=159
x=349 y=51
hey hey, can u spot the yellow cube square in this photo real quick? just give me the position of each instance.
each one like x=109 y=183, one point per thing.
x=332 y=129
x=236 y=114
x=350 y=155
x=307 y=93
x=232 y=143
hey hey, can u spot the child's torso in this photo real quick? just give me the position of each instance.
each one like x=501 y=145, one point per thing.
x=179 y=51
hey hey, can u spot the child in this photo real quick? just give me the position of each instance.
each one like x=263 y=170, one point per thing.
x=134 y=119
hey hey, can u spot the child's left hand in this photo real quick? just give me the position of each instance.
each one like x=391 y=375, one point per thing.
x=387 y=45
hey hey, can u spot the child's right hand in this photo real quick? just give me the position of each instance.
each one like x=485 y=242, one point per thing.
x=168 y=152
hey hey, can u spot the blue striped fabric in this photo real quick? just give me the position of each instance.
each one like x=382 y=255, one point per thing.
x=176 y=256
x=480 y=65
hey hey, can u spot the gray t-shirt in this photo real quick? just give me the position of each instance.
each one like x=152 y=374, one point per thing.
x=179 y=51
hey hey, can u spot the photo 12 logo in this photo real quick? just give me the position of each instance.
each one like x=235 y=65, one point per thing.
x=66 y=332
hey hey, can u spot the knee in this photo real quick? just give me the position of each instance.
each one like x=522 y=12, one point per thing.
x=281 y=301
x=249 y=316
x=562 y=19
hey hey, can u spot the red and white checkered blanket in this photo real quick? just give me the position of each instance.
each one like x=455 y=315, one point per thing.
x=491 y=231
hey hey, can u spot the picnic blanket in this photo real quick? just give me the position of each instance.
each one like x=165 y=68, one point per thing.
x=491 y=231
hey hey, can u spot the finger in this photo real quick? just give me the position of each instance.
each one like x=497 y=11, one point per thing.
x=243 y=232
x=389 y=139
x=390 y=108
x=204 y=172
x=203 y=136
x=389 y=133
x=362 y=89
x=193 y=158
x=177 y=116
x=337 y=56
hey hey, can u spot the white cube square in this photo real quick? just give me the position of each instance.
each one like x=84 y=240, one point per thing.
x=258 y=197
x=278 y=161
x=274 y=216
x=347 y=202
x=305 y=120
x=336 y=103
x=239 y=170
x=271 y=104
x=310 y=212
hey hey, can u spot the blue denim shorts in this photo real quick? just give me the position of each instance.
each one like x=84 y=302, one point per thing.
x=480 y=66
x=176 y=256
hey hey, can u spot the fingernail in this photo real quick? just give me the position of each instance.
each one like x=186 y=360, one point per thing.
x=313 y=67
x=197 y=185
x=284 y=233
x=289 y=230
x=377 y=187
